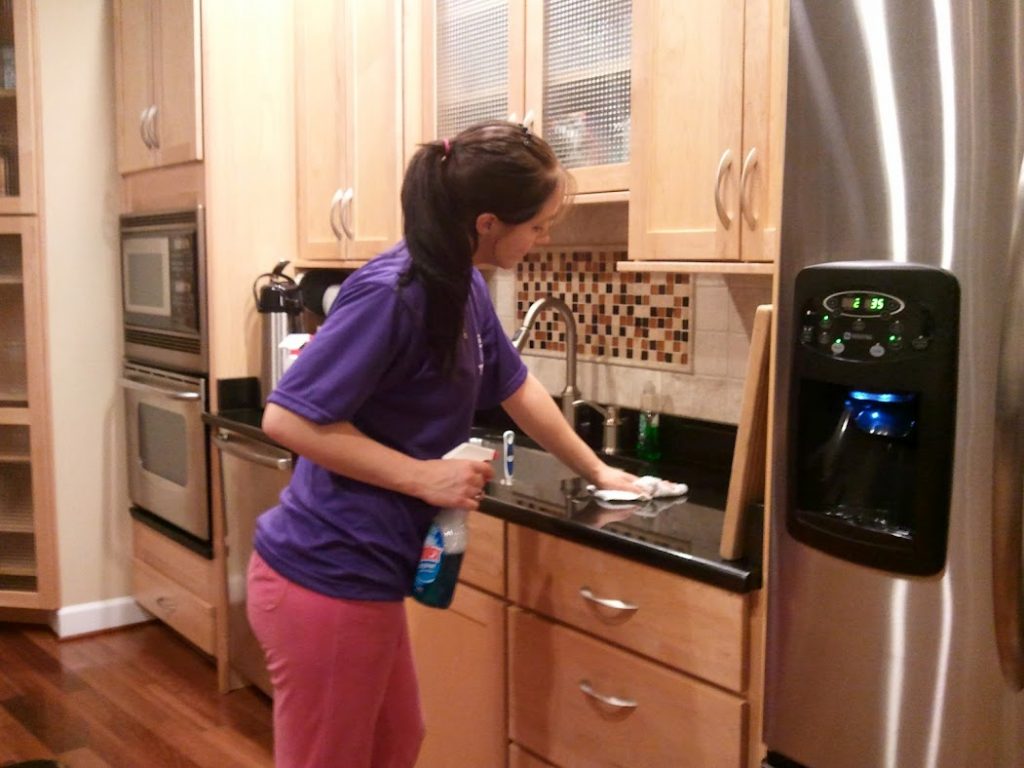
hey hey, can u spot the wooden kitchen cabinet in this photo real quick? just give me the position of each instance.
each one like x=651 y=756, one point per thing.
x=708 y=111
x=158 y=76
x=28 y=548
x=575 y=700
x=460 y=656
x=563 y=67
x=349 y=129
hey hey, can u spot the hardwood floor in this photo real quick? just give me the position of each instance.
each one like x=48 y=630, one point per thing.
x=136 y=697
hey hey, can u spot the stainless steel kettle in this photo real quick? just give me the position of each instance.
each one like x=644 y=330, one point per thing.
x=279 y=302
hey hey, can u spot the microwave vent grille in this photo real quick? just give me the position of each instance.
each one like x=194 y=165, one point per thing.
x=162 y=340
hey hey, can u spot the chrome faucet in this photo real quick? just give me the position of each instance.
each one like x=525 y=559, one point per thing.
x=570 y=394
x=611 y=421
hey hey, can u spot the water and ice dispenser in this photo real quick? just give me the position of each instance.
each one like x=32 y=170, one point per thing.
x=872 y=413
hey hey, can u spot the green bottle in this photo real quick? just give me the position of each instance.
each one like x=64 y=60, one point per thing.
x=648 y=439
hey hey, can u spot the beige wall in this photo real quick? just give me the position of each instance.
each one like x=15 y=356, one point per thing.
x=83 y=296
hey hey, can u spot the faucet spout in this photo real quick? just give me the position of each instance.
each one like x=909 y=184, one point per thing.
x=520 y=337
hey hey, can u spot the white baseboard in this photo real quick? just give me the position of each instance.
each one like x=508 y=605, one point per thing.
x=102 y=615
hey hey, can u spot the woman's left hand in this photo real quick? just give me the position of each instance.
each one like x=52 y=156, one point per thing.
x=612 y=479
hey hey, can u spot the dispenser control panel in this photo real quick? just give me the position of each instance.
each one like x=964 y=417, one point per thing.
x=865 y=325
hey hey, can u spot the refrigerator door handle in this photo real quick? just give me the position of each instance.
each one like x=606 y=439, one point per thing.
x=1008 y=469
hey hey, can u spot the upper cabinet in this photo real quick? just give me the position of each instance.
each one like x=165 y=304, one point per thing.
x=159 y=83
x=17 y=107
x=348 y=128
x=560 y=66
x=708 y=108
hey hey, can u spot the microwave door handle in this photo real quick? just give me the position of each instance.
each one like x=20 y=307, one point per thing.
x=173 y=394
x=227 y=444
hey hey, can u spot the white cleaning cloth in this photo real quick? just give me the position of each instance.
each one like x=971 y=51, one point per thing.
x=653 y=488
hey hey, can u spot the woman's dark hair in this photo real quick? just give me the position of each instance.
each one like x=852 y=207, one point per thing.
x=495 y=167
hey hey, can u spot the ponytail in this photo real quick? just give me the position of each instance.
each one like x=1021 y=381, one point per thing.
x=495 y=167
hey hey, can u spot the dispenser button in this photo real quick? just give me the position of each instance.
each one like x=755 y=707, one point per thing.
x=921 y=342
x=858 y=325
x=896 y=327
x=807 y=334
x=826 y=321
x=838 y=347
x=895 y=342
x=823 y=337
x=876 y=350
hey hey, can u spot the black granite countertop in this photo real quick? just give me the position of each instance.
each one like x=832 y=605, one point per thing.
x=681 y=535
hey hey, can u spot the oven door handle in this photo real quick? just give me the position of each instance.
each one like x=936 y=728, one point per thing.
x=173 y=394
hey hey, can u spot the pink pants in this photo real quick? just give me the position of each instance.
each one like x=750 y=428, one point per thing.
x=345 y=693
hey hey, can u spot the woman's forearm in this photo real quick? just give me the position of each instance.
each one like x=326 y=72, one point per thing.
x=533 y=410
x=344 y=450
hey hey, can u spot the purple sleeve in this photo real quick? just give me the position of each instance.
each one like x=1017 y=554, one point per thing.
x=504 y=369
x=344 y=362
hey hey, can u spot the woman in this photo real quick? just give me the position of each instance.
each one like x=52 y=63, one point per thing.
x=389 y=384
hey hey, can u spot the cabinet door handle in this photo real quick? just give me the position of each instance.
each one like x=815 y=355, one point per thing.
x=723 y=168
x=144 y=127
x=749 y=166
x=609 y=701
x=154 y=133
x=224 y=442
x=340 y=204
x=607 y=602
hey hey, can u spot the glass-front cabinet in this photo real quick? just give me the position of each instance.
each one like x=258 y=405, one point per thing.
x=27 y=559
x=560 y=66
x=17 y=137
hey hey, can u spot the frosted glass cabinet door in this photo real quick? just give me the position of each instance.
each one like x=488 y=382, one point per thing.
x=476 y=56
x=578 y=86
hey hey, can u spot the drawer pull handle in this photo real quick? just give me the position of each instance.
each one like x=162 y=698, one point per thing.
x=607 y=602
x=608 y=701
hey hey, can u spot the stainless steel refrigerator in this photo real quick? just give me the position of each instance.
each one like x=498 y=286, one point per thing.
x=895 y=629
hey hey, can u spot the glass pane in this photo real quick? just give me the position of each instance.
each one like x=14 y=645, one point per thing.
x=8 y=104
x=587 y=80
x=163 y=443
x=472 y=63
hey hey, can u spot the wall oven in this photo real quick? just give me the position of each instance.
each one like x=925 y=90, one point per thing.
x=168 y=465
x=165 y=376
x=163 y=269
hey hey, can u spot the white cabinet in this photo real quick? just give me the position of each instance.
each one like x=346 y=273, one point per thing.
x=349 y=128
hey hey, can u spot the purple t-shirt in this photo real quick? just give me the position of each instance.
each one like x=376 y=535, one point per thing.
x=370 y=364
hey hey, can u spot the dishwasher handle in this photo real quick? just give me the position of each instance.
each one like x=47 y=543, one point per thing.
x=229 y=444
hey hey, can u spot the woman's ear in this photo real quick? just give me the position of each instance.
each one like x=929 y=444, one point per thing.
x=486 y=224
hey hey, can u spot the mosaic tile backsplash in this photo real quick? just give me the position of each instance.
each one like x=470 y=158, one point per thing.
x=640 y=319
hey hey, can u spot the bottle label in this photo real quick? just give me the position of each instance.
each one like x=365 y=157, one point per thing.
x=430 y=558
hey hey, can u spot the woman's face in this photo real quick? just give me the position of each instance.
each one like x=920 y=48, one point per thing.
x=505 y=245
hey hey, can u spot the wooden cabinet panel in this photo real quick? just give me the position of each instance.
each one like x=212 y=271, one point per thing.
x=195 y=573
x=349 y=128
x=460 y=656
x=689 y=625
x=158 y=82
x=650 y=717
x=484 y=563
x=18 y=160
x=520 y=758
x=708 y=110
x=169 y=601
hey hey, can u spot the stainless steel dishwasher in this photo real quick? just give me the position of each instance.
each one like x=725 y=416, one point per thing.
x=253 y=474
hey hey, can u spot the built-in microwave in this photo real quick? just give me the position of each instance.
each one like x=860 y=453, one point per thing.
x=163 y=278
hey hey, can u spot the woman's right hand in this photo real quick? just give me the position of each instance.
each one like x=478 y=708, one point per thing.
x=454 y=483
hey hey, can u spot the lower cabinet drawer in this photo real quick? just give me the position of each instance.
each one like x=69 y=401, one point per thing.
x=484 y=563
x=576 y=700
x=520 y=758
x=173 y=604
